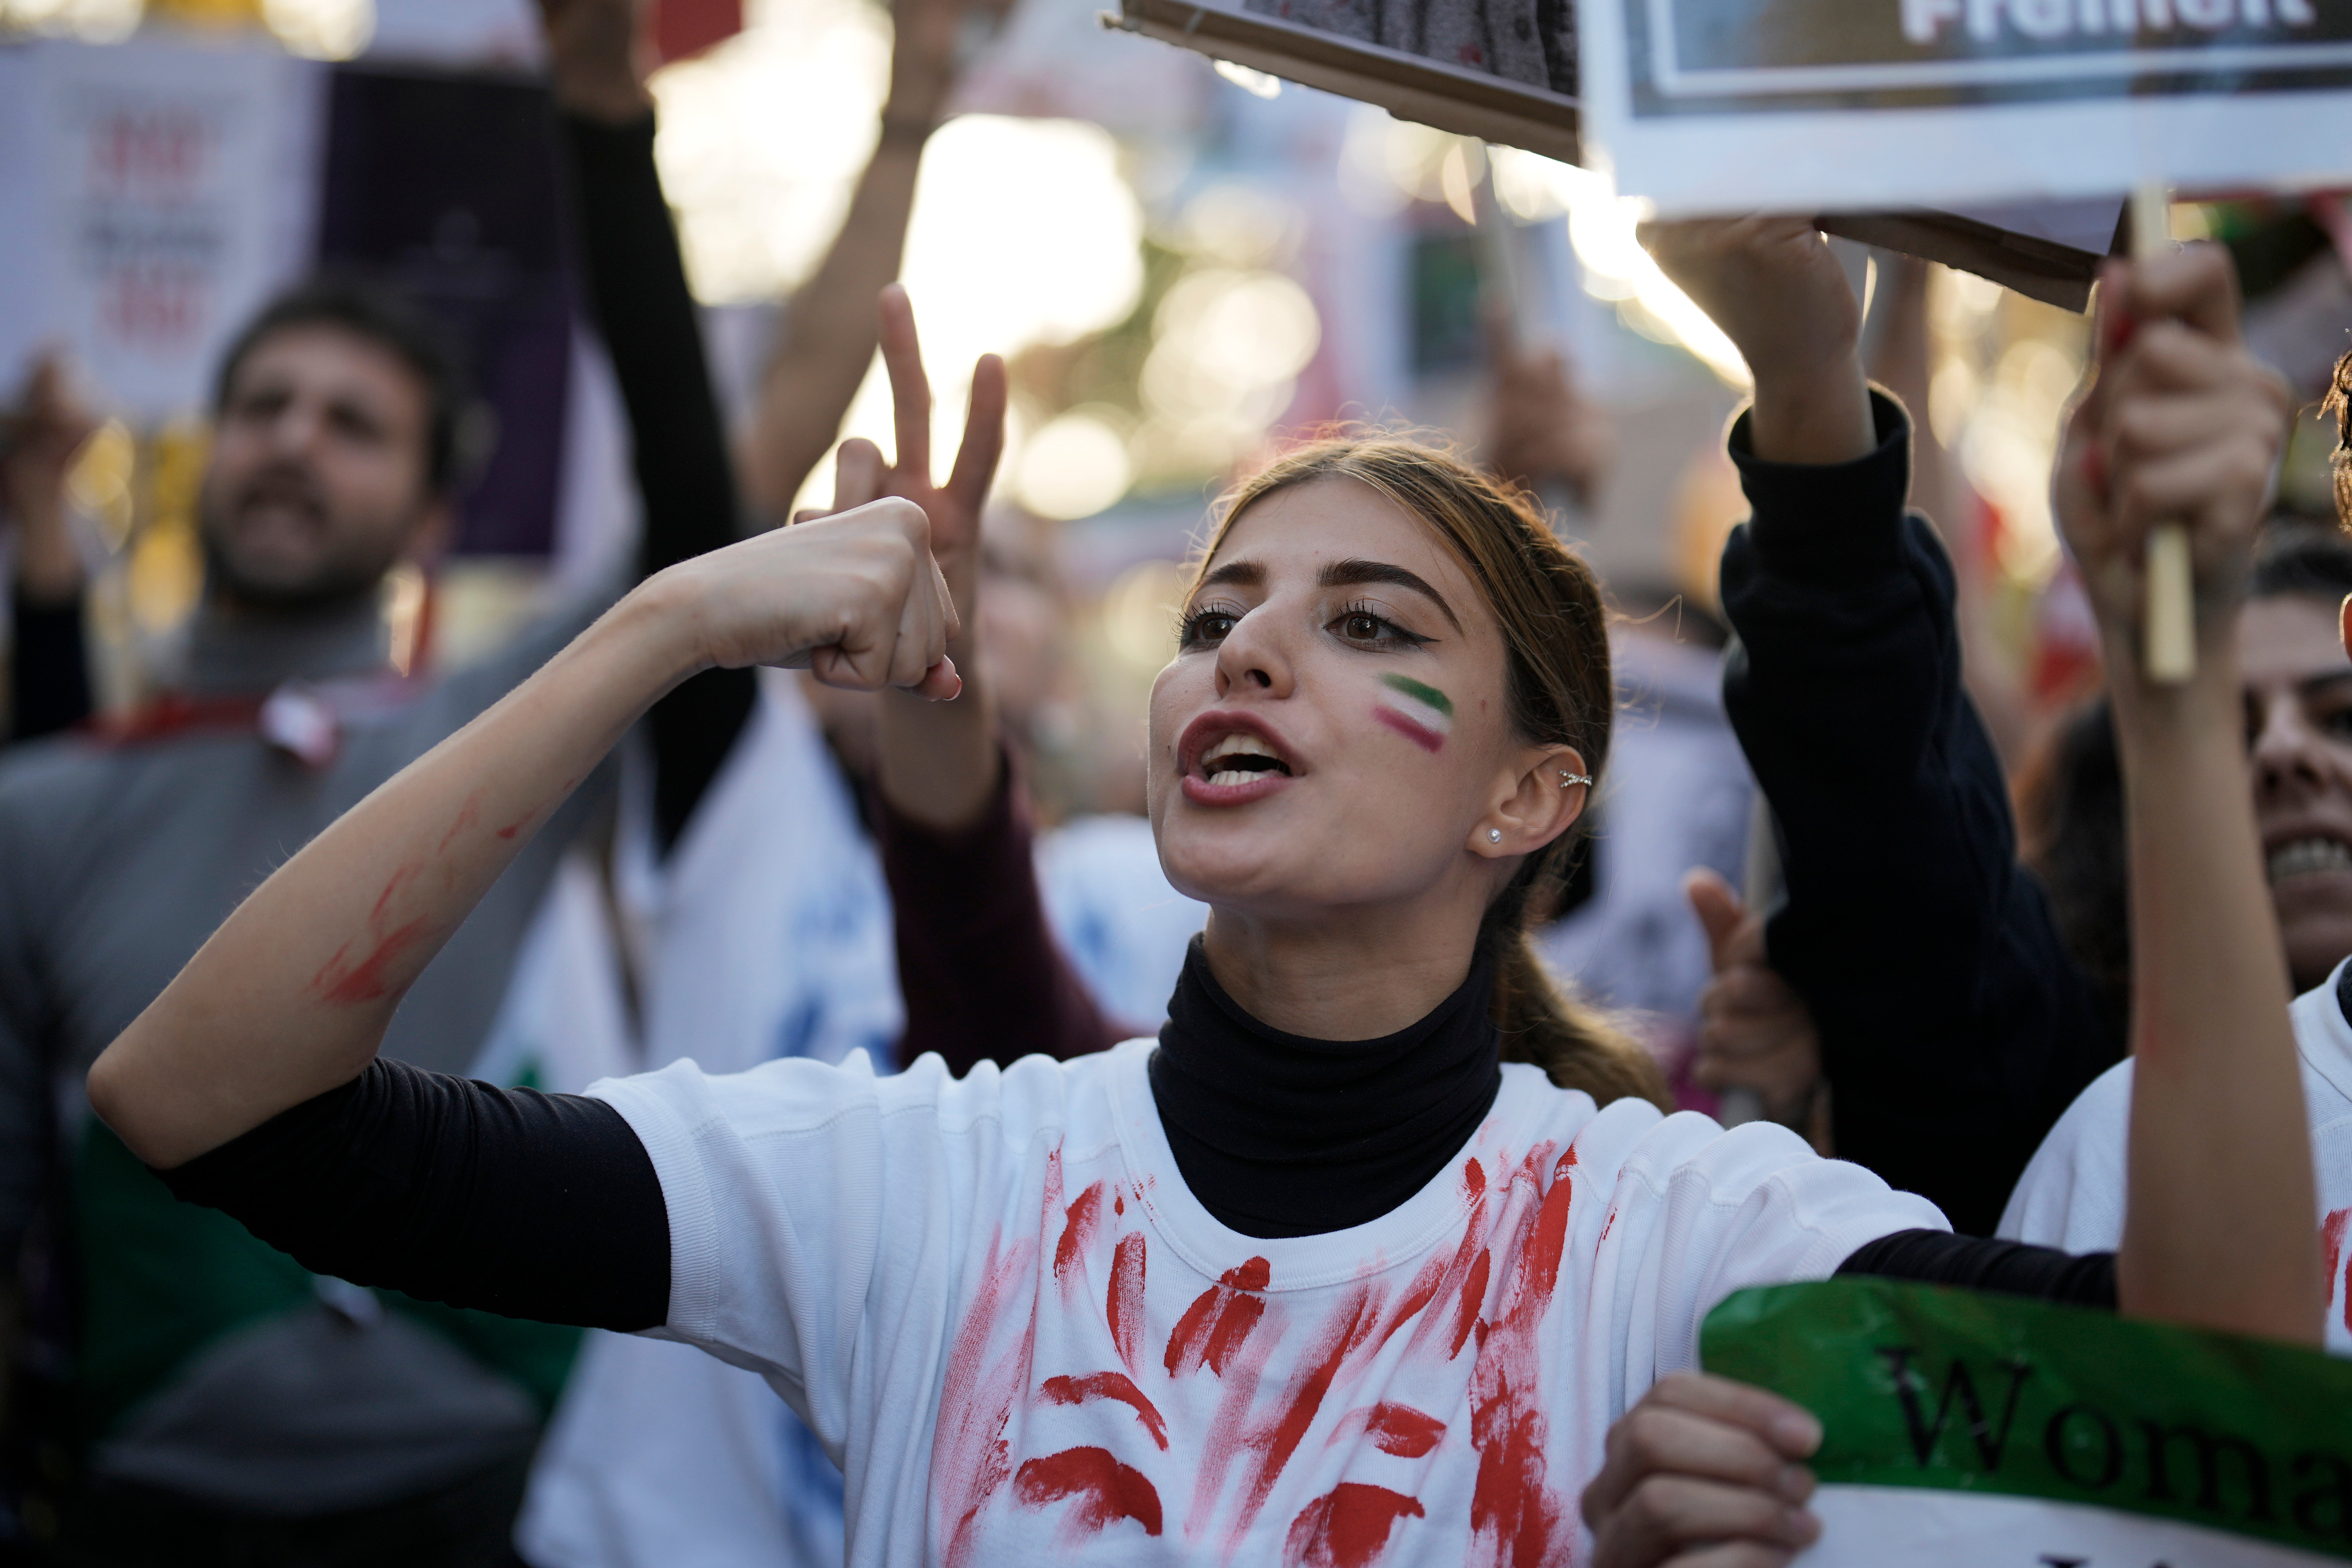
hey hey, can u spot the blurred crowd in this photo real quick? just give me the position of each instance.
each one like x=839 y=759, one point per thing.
x=1861 y=791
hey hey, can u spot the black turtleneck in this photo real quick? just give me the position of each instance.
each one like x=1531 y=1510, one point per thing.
x=1280 y=1135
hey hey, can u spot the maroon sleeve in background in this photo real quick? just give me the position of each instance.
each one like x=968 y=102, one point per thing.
x=983 y=976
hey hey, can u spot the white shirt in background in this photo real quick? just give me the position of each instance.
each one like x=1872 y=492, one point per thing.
x=1123 y=926
x=764 y=932
x=997 y=1304
x=2072 y=1194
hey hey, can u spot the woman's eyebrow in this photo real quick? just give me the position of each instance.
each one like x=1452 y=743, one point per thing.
x=1237 y=573
x=1348 y=574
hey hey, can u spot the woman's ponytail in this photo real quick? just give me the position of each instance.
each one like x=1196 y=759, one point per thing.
x=1576 y=1044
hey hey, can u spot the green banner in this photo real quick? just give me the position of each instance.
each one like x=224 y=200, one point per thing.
x=1918 y=1385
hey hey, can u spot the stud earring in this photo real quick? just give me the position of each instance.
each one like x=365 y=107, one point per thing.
x=1493 y=836
x=1567 y=778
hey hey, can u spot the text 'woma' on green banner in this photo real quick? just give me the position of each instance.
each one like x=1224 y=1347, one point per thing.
x=1964 y=1427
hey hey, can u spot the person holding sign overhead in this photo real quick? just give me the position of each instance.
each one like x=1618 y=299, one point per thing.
x=1047 y=1312
x=2165 y=434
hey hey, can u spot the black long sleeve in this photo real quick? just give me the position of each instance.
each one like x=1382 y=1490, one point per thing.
x=983 y=978
x=1955 y=1025
x=48 y=675
x=644 y=310
x=529 y=1204
x=2002 y=1267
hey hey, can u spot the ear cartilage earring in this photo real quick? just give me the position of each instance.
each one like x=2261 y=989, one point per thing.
x=1567 y=778
x=1493 y=836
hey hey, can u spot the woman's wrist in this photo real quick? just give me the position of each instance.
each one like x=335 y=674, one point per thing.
x=2155 y=719
x=660 y=623
x=1817 y=413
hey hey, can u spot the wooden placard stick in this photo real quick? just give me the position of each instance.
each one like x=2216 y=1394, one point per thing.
x=2168 y=633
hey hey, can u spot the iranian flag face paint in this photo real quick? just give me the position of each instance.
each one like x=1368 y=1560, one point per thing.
x=1420 y=712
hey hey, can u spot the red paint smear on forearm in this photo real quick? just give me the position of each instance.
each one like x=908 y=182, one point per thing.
x=371 y=977
x=467 y=815
x=341 y=981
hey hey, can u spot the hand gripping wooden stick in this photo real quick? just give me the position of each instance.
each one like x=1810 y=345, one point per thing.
x=2168 y=633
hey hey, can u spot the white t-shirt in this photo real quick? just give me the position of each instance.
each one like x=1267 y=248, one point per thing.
x=998 y=1306
x=2072 y=1194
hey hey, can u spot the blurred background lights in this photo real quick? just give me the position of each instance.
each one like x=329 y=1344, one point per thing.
x=92 y=21
x=1256 y=84
x=1227 y=345
x=1241 y=329
x=1140 y=611
x=1024 y=233
x=1234 y=223
x=762 y=137
x=1074 y=467
x=322 y=29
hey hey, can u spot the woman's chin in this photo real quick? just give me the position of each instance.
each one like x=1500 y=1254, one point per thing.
x=1224 y=860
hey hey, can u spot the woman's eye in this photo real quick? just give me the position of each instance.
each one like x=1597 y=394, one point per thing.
x=1203 y=628
x=1367 y=629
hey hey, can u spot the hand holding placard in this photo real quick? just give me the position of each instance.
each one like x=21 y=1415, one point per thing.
x=2173 y=438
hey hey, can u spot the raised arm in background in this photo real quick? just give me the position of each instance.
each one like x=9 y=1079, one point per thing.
x=1954 y=1024
x=49 y=665
x=645 y=314
x=983 y=976
x=2179 y=425
x=828 y=337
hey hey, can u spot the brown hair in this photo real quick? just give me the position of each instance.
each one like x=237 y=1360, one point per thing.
x=2339 y=402
x=1556 y=643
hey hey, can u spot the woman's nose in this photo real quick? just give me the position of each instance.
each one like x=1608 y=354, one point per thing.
x=1254 y=657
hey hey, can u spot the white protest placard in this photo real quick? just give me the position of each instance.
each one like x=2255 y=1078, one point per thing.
x=1967 y=1430
x=162 y=191
x=1723 y=106
x=1505 y=71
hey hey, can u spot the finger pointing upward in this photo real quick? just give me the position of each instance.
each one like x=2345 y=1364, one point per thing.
x=911 y=388
x=984 y=437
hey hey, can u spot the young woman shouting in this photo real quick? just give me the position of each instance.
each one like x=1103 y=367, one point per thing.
x=1087 y=1311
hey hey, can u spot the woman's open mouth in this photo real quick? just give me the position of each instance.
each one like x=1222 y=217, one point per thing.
x=1232 y=758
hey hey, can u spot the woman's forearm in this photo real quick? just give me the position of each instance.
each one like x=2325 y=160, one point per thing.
x=939 y=764
x=2218 y=1228
x=292 y=995
x=829 y=333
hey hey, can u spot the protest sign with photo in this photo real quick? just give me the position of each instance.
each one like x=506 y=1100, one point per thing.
x=1505 y=71
x=1729 y=105
x=1967 y=1428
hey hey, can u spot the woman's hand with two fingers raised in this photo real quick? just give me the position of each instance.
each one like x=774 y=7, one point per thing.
x=855 y=598
x=1705 y=1473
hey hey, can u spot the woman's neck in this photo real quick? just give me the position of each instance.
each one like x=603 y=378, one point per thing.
x=1279 y=1134
x=1352 y=976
